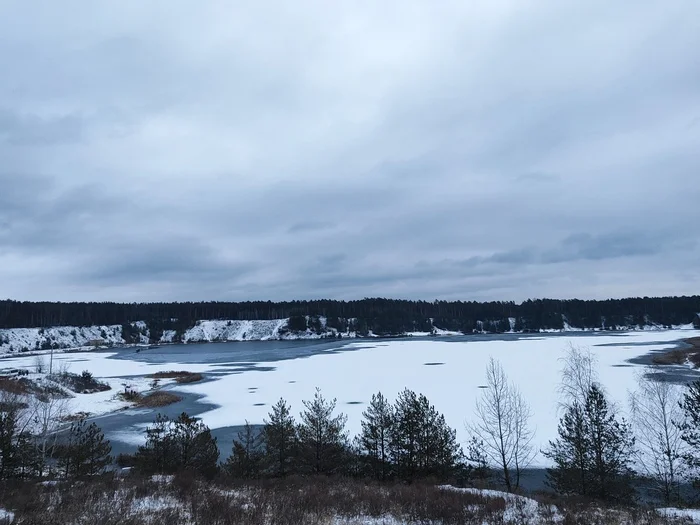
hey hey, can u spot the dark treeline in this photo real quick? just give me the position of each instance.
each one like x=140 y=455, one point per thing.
x=382 y=316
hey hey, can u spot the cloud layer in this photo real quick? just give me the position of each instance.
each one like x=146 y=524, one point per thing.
x=490 y=150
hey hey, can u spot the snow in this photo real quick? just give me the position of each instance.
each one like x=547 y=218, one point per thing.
x=30 y=339
x=18 y=340
x=260 y=330
x=7 y=516
x=168 y=336
x=519 y=509
x=693 y=515
x=451 y=383
x=118 y=373
x=440 y=331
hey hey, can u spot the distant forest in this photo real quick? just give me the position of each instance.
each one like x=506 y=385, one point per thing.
x=381 y=316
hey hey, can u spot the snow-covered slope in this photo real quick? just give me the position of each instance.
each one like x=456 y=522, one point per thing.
x=16 y=340
x=210 y=331
x=234 y=331
x=30 y=339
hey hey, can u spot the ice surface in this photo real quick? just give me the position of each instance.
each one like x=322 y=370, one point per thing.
x=352 y=375
x=452 y=384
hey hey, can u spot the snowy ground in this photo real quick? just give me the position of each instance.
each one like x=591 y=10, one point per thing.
x=448 y=372
x=119 y=374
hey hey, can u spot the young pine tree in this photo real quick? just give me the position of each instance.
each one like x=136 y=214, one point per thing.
x=8 y=435
x=194 y=447
x=246 y=455
x=87 y=452
x=323 y=442
x=571 y=454
x=279 y=438
x=690 y=428
x=157 y=454
x=422 y=444
x=375 y=438
x=593 y=453
x=172 y=446
x=612 y=445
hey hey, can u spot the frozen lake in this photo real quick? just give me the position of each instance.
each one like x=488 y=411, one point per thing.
x=242 y=380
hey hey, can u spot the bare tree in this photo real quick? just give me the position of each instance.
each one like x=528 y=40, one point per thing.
x=48 y=411
x=579 y=373
x=502 y=424
x=523 y=451
x=39 y=364
x=654 y=407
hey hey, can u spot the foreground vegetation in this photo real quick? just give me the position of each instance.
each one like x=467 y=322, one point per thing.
x=185 y=500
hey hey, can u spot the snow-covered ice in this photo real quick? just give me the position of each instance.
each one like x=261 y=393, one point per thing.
x=449 y=373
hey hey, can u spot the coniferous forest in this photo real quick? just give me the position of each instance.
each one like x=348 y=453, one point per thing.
x=381 y=316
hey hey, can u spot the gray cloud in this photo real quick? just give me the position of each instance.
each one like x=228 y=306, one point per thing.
x=240 y=152
x=33 y=130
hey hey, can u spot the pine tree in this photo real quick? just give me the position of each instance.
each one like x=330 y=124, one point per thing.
x=322 y=438
x=690 y=428
x=246 y=454
x=593 y=452
x=87 y=453
x=195 y=448
x=477 y=460
x=571 y=454
x=183 y=444
x=422 y=444
x=375 y=438
x=612 y=444
x=8 y=434
x=157 y=454
x=280 y=439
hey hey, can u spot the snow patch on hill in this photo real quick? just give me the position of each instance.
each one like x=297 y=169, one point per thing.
x=261 y=330
x=60 y=337
x=210 y=331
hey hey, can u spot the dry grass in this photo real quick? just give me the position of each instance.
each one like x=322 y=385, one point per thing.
x=158 y=399
x=293 y=501
x=14 y=385
x=680 y=356
x=673 y=357
x=180 y=376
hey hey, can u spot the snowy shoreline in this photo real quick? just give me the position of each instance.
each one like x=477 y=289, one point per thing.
x=37 y=341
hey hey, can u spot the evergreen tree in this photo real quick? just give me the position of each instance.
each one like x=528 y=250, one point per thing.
x=690 y=428
x=184 y=444
x=612 y=446
x=156 y=455
x=375 y=438
x=195 y=448
x=322 y=438
x=280 y=439
x=422 y=444
x=571 y=454
x=477 y=460
x=593 y=453
x=87 y=453
x=246 y=455
x=8 y=435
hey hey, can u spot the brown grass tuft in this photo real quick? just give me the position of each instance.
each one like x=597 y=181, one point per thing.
x=180 y=376
x=158 y=399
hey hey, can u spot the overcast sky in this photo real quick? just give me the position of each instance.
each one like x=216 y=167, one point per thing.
x=471 y=150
